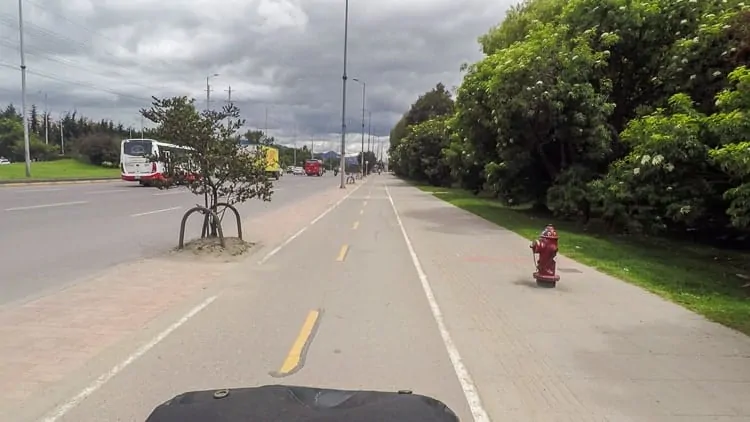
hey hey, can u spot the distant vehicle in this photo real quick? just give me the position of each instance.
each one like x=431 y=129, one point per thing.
x=273 y=168
x=271 y=157
x=135 y=159
x=314 y=168
x=4 y=161
x=290 y=170
x=298 y=171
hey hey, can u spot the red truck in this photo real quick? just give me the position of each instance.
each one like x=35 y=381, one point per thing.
x=314 y=167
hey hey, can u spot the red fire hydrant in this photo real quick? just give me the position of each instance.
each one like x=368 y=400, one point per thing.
x=546 y=247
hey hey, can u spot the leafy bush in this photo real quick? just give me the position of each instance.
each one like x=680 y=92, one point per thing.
x=97 y=148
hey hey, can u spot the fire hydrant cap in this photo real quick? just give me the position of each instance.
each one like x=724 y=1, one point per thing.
x=549 y=232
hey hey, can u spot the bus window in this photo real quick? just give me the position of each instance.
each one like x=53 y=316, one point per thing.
x=137 y=147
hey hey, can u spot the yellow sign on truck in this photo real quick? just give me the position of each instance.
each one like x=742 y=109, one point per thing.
x=273 y=168
x=270 y=157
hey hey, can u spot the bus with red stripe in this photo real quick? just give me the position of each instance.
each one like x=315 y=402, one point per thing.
x=136 y=162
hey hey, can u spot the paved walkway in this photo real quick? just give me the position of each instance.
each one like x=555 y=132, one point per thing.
x=595 y=348
x=343 y=305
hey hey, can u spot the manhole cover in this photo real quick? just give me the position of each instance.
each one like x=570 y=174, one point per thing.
x=569 y=270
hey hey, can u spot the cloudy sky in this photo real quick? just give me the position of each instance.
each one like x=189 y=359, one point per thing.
x=282 y=58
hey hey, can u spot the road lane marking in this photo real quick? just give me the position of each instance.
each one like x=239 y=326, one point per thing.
x=364 y=204
x=58 y=204
x=295 y=359
x=39 y=190
x=464 y=377
x=171 y=192
x=155 y=212
x=99 y=192
x=356 y=225
x=104 y=378
x=361 y=212
x=342 y=253
x=291 y=238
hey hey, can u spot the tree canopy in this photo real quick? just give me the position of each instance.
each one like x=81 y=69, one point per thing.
x=213 y=163
x=637 y=111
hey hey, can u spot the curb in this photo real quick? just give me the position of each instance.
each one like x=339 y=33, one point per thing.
x=43 y=182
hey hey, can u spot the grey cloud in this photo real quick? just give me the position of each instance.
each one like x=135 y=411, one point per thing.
x=283 y=55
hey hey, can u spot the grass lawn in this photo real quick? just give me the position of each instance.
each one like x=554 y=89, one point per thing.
x=700 y=278
x=57 y=170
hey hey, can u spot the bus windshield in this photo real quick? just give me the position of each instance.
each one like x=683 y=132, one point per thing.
x=137 y=147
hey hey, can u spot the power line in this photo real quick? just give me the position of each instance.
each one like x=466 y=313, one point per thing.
x=43 y=33
x=79 y=25
x=72 y=64
x=79 y=83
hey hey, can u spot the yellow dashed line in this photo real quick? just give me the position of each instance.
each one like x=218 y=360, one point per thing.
x=295 y=355
x=342 y=253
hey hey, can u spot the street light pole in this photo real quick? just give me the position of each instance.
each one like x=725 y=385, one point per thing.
x=369 y=129
x=26 y=147
x=362 y=153
x=46 y=120
x=208 y=90
x=62 y=136
x=342 y=164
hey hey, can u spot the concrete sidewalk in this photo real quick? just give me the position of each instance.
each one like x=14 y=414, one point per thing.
x=452 y=312
x=595 y=348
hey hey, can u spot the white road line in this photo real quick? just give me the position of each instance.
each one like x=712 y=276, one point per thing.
x=464 y=377
x=171 y=192
x=304 y=229
x=104 y=378
x=38 y=190
x=99 y=192
x=155 y=211
x=58 y=204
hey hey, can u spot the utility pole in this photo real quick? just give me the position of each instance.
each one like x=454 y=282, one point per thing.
x=142 y=127
x=46 y=120
x=229 y=101
x=343 y=98
x=295 y=146
x=26 y=147
x=312 y=147
x=265 y=125
x=362 y=150
x=62 y=136
x=208 y=90
x=208 y=93
x=369 y=129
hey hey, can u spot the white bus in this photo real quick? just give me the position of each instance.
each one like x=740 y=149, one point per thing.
x=135 y=159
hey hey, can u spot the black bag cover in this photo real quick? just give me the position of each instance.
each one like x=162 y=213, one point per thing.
x=283 y=403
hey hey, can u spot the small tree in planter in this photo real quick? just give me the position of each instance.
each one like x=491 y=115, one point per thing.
x=210 y=162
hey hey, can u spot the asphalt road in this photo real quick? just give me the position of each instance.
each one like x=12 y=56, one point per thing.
x=394 y=289
x=52 y=235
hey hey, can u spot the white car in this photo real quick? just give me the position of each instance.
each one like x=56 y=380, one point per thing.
x=4 y=161
x=299 y=171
